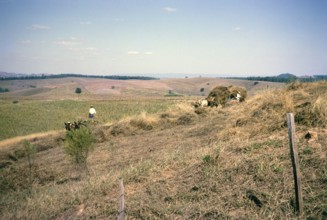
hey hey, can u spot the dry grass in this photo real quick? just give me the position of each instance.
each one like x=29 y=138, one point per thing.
x=225 y=163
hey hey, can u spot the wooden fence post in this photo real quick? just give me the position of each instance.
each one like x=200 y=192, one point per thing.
x=121 y=215
x=295 y=164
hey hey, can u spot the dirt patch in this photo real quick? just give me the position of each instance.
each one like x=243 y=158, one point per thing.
x=13 y=141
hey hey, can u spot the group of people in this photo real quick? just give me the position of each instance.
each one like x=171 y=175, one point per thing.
x=78 y=124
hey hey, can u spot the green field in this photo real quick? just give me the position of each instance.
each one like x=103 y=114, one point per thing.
x=27 y=117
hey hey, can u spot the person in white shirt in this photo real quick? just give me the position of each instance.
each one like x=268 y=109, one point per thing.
x=92 y=112
x=238 y=97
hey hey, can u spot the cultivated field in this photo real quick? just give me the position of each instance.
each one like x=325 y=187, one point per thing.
x=176 y=162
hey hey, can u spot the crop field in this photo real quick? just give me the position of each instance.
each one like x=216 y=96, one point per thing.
x=30 y=116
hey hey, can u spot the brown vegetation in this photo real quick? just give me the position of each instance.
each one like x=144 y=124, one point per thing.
x=221 y=163
x=104 y=89
x=220 y=95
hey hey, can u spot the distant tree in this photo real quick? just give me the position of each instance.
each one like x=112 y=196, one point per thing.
x=78 y=90
x=202 y=90
x=4 y=90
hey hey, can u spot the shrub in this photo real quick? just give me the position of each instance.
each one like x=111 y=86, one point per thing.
x=78 y=90
x=171 y=93
x=30 y=151
x=207 y=159
x=4 y=90
x=78 y=144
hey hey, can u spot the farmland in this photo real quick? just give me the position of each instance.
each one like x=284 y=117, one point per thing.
x=44 y=105
x=176 y=163
x=27 y=117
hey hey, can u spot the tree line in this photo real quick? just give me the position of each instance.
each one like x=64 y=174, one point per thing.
x=65 y=75
x=283 y=78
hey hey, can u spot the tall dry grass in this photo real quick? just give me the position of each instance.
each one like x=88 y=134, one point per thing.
x=319 y=110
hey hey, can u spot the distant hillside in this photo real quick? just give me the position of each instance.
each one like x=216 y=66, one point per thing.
x=15 y=76
x=103 y=88
x=286 y=76
x=283 y=78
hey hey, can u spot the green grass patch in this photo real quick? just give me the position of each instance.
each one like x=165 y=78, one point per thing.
x=262 y=145
x=27 y=117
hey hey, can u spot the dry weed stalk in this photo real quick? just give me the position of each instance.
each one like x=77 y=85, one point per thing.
x=319 y=110
x=144 y=121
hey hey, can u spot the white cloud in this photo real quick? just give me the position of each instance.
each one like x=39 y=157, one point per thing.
x=73 y=48
x=92 y=49
x=119 y=19
x=237 y=28
x=36 y=58
x=73 y=38
x=67 y=43
x=133 y=52
x=169 y=9
x=85 y=22
x=148 y=53
x=38 y=27
x=26 y=42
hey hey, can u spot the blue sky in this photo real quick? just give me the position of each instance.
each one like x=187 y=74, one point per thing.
x=149 y=37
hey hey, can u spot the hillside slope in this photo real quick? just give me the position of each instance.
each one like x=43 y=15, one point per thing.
x=212 y=163
x=97 y=89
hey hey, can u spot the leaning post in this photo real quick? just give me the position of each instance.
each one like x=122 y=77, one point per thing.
x=121 y=215
x=295 y=163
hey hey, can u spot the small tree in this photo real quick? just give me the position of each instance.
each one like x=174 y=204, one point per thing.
x=30 y=151
x=78 y=144
x=78 y=90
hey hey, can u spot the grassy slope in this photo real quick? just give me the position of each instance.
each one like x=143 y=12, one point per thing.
x=28 y=117
x=230 y=163
x=43 y=105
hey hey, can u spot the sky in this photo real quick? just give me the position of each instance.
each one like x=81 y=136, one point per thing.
x=164 y=37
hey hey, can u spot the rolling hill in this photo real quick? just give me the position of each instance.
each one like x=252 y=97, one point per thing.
x=183 y=163
x=93 y=88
